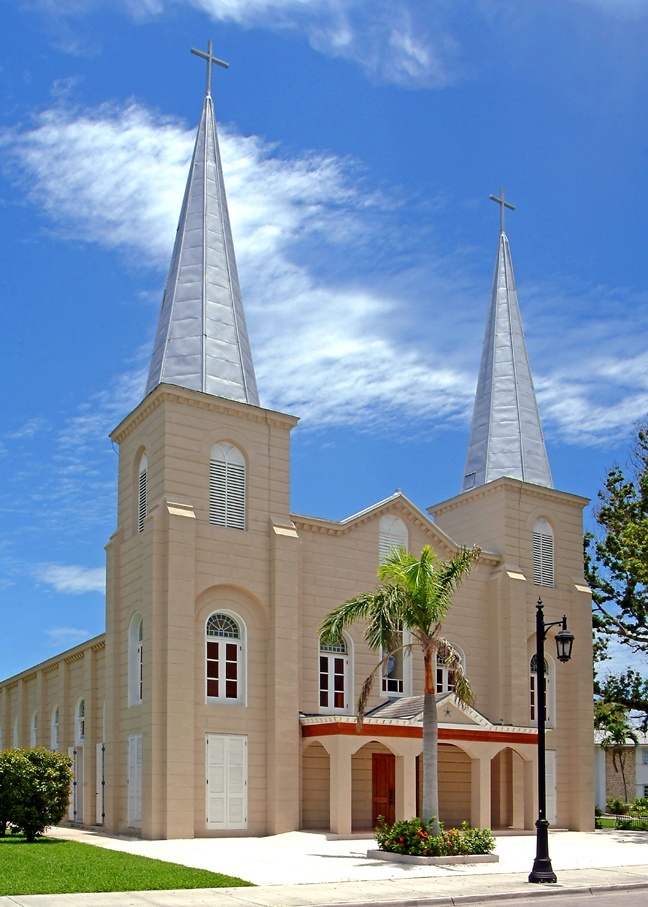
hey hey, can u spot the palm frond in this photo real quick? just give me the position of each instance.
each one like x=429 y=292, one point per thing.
x=446 y=653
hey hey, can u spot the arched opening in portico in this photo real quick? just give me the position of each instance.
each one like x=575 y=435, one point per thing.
x=373 y=788
x=507 y=789
x=455 y=785
x=316 y=782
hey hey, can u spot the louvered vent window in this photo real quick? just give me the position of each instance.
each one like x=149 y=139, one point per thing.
x=227 y=487
x=543 y=554
x=142 y=493
x=392 y=535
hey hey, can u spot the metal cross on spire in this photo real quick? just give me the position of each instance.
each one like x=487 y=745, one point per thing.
x=500 y=201
x=210 y=59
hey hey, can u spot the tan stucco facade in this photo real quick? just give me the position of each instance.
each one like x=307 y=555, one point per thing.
x=290 y=762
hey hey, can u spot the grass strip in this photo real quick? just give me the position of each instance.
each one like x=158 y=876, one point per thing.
x=52 y=866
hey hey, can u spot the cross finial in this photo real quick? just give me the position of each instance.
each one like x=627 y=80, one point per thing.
x=500 y=201
x=210 y=59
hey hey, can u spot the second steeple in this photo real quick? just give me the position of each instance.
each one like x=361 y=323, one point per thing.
x=506 y=435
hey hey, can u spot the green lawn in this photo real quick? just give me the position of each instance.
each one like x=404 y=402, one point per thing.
x=52 y=866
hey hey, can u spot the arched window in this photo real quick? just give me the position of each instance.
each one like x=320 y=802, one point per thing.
x=392 y=534
x=543 y=553
x=135 y=659
x=225 y=637
x=548 y=690
x=444 y=674
x=227 y=486
x=335 y=693
x=80 y=722
x=54 y=728
x=33 y=736
x=142 y=493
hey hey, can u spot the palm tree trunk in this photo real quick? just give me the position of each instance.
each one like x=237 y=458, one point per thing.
x=430 y=748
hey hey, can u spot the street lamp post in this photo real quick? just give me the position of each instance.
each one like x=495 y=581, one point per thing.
x=542 y=869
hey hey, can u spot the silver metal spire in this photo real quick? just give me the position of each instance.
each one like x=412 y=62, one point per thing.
x=202 y=341
x=506 y=435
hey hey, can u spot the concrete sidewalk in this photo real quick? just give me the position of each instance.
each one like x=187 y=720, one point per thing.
x=302 y=868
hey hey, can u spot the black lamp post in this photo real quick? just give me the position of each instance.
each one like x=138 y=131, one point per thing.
x=542 y=870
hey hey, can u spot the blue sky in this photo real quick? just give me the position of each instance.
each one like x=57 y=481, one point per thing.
x=361 y=140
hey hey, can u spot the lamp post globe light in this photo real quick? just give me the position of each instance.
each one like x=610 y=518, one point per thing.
x=542 y=869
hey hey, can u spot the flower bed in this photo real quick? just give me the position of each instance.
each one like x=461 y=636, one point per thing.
x=414 y=838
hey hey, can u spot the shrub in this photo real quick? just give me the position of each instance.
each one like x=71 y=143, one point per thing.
x=34 y=789
x=415 y=838
x=615 y=806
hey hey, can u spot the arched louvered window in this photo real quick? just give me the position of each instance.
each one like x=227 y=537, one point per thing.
x=543 y=554
x=335 y=694
x=225 y=637
x=142 y=493
x=54 y=729
x=392 y=534
x=135 y=659
x=227 y=486
x=34 y=729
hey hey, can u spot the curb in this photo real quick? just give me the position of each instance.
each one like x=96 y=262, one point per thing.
x=539 y=891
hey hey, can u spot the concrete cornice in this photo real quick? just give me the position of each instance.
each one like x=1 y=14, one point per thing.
x=397 y=504
x=502 y=485
x=97 y=643
x=168 y=393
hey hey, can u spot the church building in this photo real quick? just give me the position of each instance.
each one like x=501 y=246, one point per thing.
x=210 y=706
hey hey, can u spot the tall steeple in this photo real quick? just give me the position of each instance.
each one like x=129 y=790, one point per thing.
x=201 y=341
x=506 y=435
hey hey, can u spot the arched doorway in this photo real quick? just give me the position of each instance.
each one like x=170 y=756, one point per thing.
x=455 y=785
x=373 y=786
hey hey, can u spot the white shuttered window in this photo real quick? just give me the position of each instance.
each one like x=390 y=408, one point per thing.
x=135 y=780
x=227 y=486
x=226 y=781
x=543 y=554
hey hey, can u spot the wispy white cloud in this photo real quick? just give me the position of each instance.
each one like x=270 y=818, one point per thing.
x=66 y=637
x=408 y=43
x=333 y=345
x=71 y=579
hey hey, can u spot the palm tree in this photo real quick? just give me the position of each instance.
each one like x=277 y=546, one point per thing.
x=415 y=595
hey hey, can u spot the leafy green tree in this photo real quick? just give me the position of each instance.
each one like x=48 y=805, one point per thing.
x=12 y=768
x=415 y=594
x=618 y=735
x=34 y=789
x=616 y=565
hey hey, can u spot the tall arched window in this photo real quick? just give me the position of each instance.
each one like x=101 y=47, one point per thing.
x=225 y=643
x=227 y=486
x=548 y=690
x=543 y=553
x=33 y=736
x=54 y=728
x=79 y=723
x=444 y=674
x=392 y=534
x=142 y=493
x=335 y=693
x=135 y=659
x=397 y=669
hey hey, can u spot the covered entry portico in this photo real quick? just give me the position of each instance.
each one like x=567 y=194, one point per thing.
x=486 y=772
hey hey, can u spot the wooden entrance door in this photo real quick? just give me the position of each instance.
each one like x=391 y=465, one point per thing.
x=383 y=787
